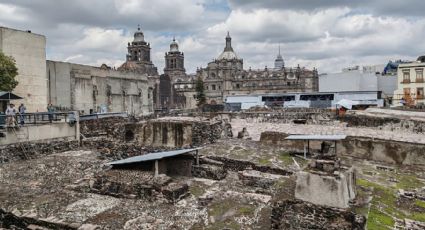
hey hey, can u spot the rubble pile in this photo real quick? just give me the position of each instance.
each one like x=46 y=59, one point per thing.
x=136 y=184
x=240 y=165
x=294 y=214
x=385 y=122
x=103 y=127
x=25 y=151
x=208 y=171
x=289 y=115
x=9 y=220
x=258 y=179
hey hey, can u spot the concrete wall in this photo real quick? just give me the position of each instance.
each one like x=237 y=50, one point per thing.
x=85 y=88
x=348 y=82
x=333 y=191
x=39 y=133
x=387 y=151
x=29 y=51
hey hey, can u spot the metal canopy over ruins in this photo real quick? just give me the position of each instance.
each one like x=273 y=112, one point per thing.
x=308 y=138
x=152 y=156
x=317 y=137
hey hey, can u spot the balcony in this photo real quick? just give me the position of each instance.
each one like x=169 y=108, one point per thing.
x=419 y=80
x=405 y=81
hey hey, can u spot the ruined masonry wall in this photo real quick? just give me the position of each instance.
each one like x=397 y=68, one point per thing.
x=388 y=151
x=295 y=214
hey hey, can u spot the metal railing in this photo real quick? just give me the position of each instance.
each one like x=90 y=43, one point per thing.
x=34 y=119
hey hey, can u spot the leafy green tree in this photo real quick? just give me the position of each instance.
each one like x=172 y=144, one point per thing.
x=8 y=72
x=200 y=94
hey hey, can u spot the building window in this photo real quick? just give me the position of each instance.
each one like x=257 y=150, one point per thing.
x=238 y=86
x=206 y=87
x=420 y=93
x=419 y=75
x=212 y=87
x=219 y=87
x=406 y=76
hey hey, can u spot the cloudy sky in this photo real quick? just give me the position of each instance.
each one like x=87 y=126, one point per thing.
x=327 y=34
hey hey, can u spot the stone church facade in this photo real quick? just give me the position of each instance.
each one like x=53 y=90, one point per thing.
x=225 y=76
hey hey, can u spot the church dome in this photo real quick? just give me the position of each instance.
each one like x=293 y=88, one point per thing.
x=228 y=53
x=174 y=47
x=139 y=36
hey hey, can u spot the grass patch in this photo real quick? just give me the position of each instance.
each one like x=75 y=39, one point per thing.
x=286 y=158
x=408 y=182
x=246 y=210
x=264 y=161
x=228 y=224
x=418 y=216
x=196 y=190
x=420 y=203
x=379 y=220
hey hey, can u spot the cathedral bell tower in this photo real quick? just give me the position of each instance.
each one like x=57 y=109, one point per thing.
x=174 y=61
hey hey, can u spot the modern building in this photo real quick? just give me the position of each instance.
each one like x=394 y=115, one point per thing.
x=411 y=84
x=29 y=51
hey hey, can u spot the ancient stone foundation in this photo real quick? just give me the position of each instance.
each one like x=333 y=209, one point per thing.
x=388 y=151
x=295 y=214
x=31 y=150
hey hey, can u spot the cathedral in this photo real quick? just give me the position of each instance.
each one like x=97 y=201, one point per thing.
x=223 y=77
x=139 y=56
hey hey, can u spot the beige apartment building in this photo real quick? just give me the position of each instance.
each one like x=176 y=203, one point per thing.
x=411 y=83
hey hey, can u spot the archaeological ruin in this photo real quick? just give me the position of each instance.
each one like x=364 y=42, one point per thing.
x=217 y=170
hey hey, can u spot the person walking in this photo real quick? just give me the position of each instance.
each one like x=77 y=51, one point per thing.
x=50 y=111
x=10 y=115
x=22 y=109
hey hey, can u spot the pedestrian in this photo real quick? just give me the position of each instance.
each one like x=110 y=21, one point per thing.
x=403 y=101
x=10 y=115
x=50 y=111
x=22 y=109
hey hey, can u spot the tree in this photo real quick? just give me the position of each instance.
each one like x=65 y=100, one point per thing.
x=8 y=72
x=200 y=94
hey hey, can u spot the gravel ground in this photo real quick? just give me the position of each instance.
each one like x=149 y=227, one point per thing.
x=256 y=128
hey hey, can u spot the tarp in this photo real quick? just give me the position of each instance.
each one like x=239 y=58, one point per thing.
x=348 y=104
x=5 y=96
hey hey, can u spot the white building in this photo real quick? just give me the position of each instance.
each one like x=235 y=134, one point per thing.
x=29 y=52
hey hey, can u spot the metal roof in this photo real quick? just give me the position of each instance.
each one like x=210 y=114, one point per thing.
x=317 y=137
x=9 y=96
x=152 y=156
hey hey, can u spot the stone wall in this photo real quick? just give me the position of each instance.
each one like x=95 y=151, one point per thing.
x=384 y=123
x=171 y=134
x=295 y=214
x=289 y=115
x=89 y=88
x=110 y=127
x=25 y=151
x=388 y=151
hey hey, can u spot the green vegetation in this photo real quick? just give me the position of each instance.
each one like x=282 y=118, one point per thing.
x=264 y=161
x=286 y=158
x=378 y=220
x=384 y=207
x=408 y=182
x=420 y=203
x=196 y=190
x=8 y=72
x=200 y=94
